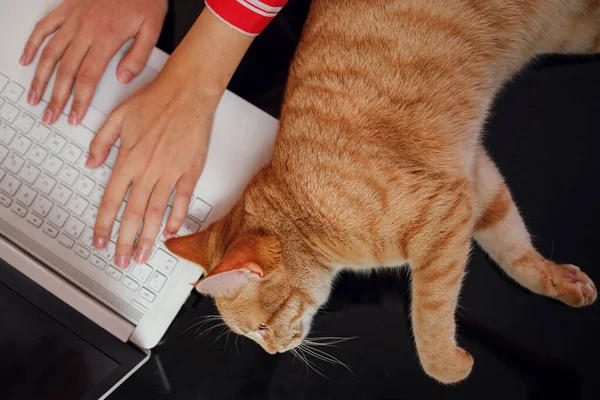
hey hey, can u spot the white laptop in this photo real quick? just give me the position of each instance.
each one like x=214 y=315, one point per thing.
x=48 y=199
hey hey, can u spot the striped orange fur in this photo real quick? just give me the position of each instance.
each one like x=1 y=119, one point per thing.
x=379 y=162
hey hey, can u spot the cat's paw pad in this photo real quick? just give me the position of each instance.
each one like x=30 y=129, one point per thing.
x=572 y=286
x=449 y=366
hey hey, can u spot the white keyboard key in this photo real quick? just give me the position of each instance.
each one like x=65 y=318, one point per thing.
x=55 y=142
x=65 y=240
x=3 y=81
x=131 y=284
x=9 y=112
x=167 y=215
x=102 y=173
x=40 y=132
x=52 y=164
x=114 y=273
x=163 y=261
x=81 y=251
x=94 y=119
x=12 y=91
x=97 y=194
x=42 y=206
x=109 y=251
x=199 y=210
x=19 y=209
x=71 y=153
x=91 y=214
x=157 y=281
x=45 y=183
x=2 y=173
x=79 y=134
x=141 y=272
x=188 y=227
x=3 y=153
x=68 y=174
x=13 y=163
x=34 y=220
x=37 y=110
x=50 y=230
x=121 y=211
x=58 y=216
x=80 y=164
x=61 y=194
x=5 y=200
x=10 y=184
x=24 y=122
x=112 y=157
x=97 y=262
x=29 y=173
x=74 y=227
x=77 y=205
x=37 y=154
x=147 y=295
x=88 y=237
x=115 y=230
x=26 y=195
x=21 y=144
x=6 y=133
x=84 y=185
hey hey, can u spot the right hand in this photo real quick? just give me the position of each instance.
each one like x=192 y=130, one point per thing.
x=88 y=34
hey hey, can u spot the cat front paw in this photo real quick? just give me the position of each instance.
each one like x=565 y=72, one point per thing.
x=570 y=285
x=448 y=366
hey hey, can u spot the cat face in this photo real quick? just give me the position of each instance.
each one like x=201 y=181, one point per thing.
x=261 y=291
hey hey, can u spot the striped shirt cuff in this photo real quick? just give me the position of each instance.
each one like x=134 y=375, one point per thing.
x=249 y=17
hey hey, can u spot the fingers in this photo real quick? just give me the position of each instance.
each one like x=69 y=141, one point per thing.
x=152 y=221
x=104 y=140
x=42 y=29
x=136 y=58
x=185 y=190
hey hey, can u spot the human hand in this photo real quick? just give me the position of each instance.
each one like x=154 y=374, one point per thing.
x=88 y=35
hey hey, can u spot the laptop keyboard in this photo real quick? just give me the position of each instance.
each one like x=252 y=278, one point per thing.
x=43 y=180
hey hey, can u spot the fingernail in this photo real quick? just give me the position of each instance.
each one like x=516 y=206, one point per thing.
x=100 y=243
x=32 y=97
x=48 y=116
x=123 y=261
x=125 y=76
x=169 y=234
x=89 y=163
x=141 y=256
x=23 y=59
x=73 y=118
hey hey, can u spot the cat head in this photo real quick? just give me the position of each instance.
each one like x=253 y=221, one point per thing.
x=265 y=288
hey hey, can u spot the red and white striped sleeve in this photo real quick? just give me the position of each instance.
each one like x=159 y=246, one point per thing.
x=247 y=16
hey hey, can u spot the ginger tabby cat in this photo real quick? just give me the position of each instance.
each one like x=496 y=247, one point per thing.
x=379 y=162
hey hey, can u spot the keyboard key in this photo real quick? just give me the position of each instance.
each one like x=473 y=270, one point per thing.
x=37 y=110
x=167 y=215
x=74 y=227
x=26 y=195
x=115 y=230
x=3 y=153
x=84 y=185
x=50 y=230
x=91 y=214
x=121 y=211
x=10 y=184
x=109 y=251
x=141 y=272
x=58 y=216
x=40 y=132
x=163 y=261
x=80 y=164
x=12 y=91
x=5 y=200
x=68 y=174
x=94 y=119
x=77 y=205
x=81 y=251
x=24 y=122
x=112 y=157
x=34 y=220
x=29 y=173
x=2 y=173
x=3 y=81
x=71 y=153
x=88 y=237
x=6 y=133
x=97 y=194
x=114 y=273
x=147 y=295
x=97 y=262
x=42 y=206
x=65 y=240
x=61 y=194
x=52 y=164
x=102 y=173
x=37 y=154
x=13 y=163
x=20 y=144
x=9 y=112
x=199 y=210
x=55 y=142
x=45 y=184
x=157 y=281
x=131 y=284
x=19 y=209
x=188 y=227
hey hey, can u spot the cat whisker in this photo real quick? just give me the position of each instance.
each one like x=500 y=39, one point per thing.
x=205 y=318
x=210 y=328
x=310 y=364
x=227 y=339
x=322 y=355
x=223 y=332
x=327 y=341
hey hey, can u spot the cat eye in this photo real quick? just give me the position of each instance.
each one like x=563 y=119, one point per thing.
x=263 y=327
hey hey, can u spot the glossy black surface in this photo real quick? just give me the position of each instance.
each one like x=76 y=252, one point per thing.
x=543 y=133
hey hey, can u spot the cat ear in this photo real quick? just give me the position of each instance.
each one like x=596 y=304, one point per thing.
x=191 y=247
x=227 y=278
